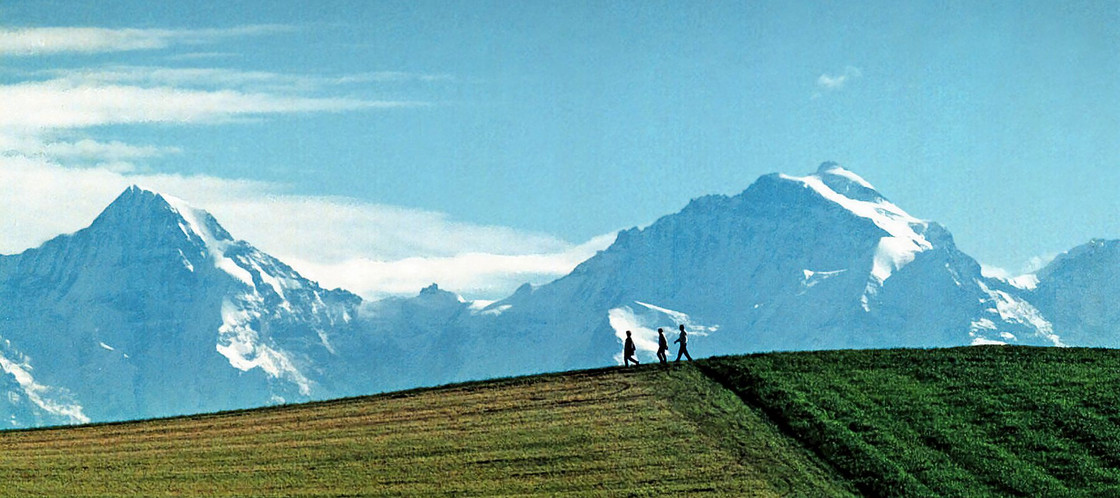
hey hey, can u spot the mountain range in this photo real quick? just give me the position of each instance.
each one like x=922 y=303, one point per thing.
x=156 y=310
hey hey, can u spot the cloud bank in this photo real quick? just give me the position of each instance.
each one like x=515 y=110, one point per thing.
x=370 y=249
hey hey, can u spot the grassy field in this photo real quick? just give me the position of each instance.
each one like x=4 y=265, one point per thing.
x=978 y=421
x=610 y=432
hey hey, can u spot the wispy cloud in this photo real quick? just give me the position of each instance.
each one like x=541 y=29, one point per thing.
x=61 y=104
x=378 y=250
x=83 y=151
x=832 y=82
x=478 y=275
x=193 y=77
x=1029 y=267
x=202 y=77
x=55 y=176
x=54 y=40
x=195 y=56
x=38 y=105
x=374 y=250
x=391 y=76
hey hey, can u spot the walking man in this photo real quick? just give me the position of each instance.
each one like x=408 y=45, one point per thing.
x=628 y=350
x=683 y=340
x=662 y=346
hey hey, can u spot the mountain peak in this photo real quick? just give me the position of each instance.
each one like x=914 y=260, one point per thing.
x=826 y=166
x=131 y=205
x=847 y=183
x=137 y=208
x=136 y=195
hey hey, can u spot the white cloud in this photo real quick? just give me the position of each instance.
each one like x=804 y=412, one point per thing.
x=157 y=76
x=473 y=274
x=1037 y=263
x=373 y=250
x=339 y=229
x=995 y=272
x=211 y=77
x=55 y=179
x=830 y=82
x=202 y=55
x=85 y=151
x=390 y=76
x=60 y=104
x=91 y=150
x=1032 y=265
x=53 y=40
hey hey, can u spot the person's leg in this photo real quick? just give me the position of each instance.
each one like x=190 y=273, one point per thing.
x=686 y=355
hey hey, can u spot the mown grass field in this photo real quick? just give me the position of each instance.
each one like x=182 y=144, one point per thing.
x=978 y=421
x=611 y=432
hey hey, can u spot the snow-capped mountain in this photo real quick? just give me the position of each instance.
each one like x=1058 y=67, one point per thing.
x=811 y=262
x=1078 y=291
x=156 y=310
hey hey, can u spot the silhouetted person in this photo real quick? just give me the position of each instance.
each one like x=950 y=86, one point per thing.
x=683 y=339
x=662 y=346
x=628 y=350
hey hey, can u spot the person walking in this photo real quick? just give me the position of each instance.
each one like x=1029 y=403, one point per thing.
x=662 y=346
x=628 y=350
x=683 y=340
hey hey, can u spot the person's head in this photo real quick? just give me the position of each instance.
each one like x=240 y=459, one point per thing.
x=682 y=327
x=627 y=333
x=660 y=331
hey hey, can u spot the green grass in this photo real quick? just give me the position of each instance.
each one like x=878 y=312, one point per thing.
x=997 y=421
x=980 y=421
x=608 y=432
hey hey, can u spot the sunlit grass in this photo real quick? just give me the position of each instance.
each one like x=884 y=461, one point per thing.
x=609 y=432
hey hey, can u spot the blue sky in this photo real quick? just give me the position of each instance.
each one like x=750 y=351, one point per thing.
x=380 y=145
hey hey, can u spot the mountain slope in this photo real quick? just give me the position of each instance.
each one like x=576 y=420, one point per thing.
x=155 y=310
x=1078 y=291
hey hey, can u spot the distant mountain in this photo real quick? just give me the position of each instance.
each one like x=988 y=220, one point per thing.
x=1079 y=292
x=156 y=310
x=822 y=261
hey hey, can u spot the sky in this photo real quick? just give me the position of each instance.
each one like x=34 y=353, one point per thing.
x=381 y=146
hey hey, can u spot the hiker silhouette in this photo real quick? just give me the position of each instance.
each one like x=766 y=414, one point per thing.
x=628 y=350
x=683 y=340
x=662 y=346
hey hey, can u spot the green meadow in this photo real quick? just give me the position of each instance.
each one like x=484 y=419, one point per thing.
x=611 y=432
x=977 y=421
x=981 y=421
